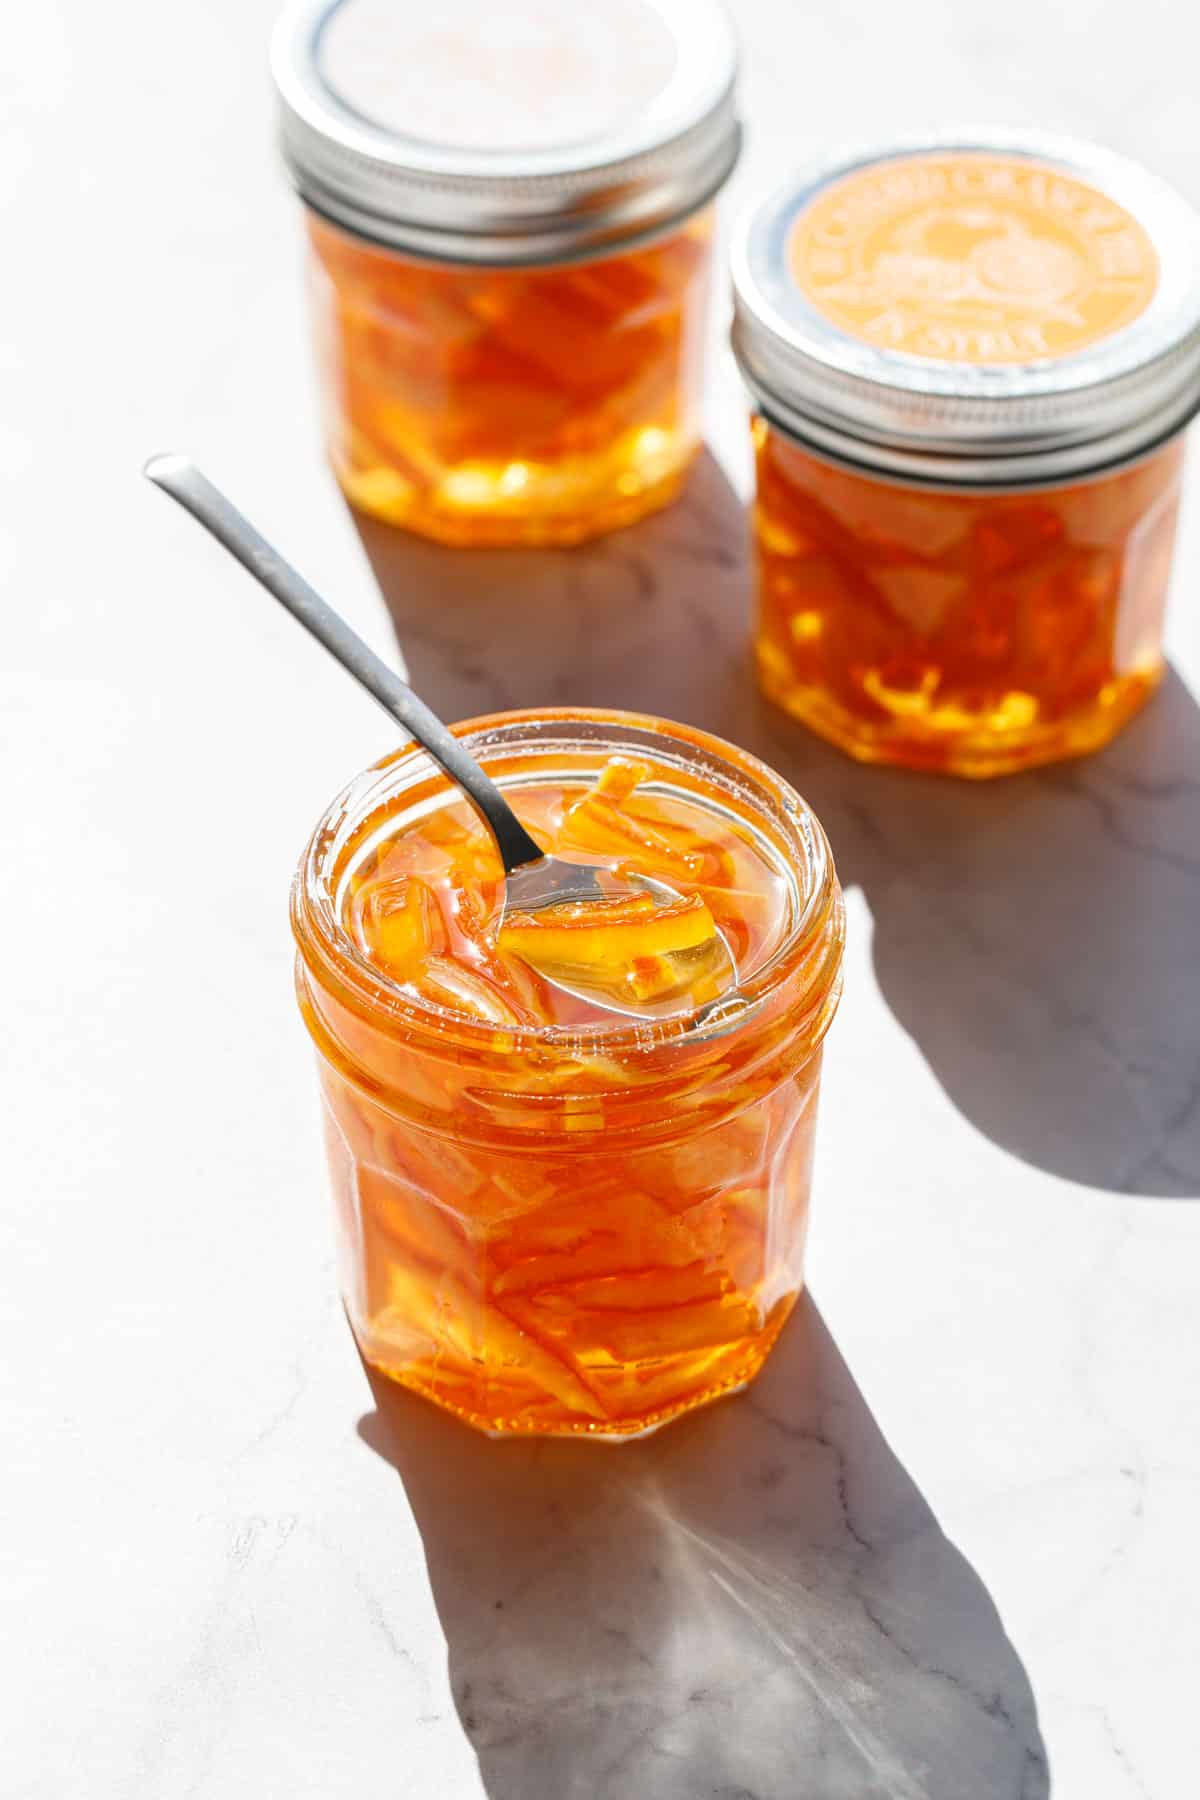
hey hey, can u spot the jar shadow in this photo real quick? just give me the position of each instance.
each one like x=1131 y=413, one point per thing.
x=1035 y=935
x=755 y=1601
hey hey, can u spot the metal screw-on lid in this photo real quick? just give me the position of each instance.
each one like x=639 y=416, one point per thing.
x=506 y=131
x=973 y=309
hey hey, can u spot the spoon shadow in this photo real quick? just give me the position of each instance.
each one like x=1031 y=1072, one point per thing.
x=1037 y=935
x=756 y=1602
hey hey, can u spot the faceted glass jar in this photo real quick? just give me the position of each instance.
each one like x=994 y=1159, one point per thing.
x=977 y=632
x=530 y=405
x=580 y=1231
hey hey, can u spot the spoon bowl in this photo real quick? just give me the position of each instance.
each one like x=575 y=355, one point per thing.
x=702 y=973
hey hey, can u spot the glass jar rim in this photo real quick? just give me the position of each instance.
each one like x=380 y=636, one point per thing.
x=331 y=954
x=924 y=474
x=431 y=252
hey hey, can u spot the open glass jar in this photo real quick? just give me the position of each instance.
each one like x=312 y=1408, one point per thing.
x=580 y=1229
x=509 y=216
x=973 y=359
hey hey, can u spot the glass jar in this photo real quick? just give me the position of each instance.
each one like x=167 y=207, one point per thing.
x=580 y=1230
x=510 y=225
x=973 y=361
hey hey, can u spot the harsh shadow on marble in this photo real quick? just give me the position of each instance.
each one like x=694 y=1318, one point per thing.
x=1036 y=935
x=755 y=1604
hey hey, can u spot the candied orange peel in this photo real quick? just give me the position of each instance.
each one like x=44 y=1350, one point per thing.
x=428 y=908
x=977 y=632
x=396 y=917
x=511 y=405
x=616 y=932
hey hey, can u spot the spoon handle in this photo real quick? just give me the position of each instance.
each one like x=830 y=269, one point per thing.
x=180 y=478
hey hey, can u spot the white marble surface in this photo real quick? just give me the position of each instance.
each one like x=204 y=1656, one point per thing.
x=947 y=1549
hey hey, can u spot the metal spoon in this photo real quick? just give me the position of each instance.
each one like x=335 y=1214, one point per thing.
x=533 y=879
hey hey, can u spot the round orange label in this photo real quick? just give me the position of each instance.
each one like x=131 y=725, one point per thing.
x=972 y=258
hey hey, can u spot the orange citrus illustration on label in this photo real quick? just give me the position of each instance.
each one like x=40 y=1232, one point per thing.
x=972 y=258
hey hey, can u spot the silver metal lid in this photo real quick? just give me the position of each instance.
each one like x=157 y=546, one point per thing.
x=506 y=131
x=1032 y=317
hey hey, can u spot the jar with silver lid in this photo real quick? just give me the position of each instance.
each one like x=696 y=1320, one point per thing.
x=973 y=358
x=509 y=211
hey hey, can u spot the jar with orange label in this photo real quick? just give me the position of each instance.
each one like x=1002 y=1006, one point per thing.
x=973 y=360
x=509 y=213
